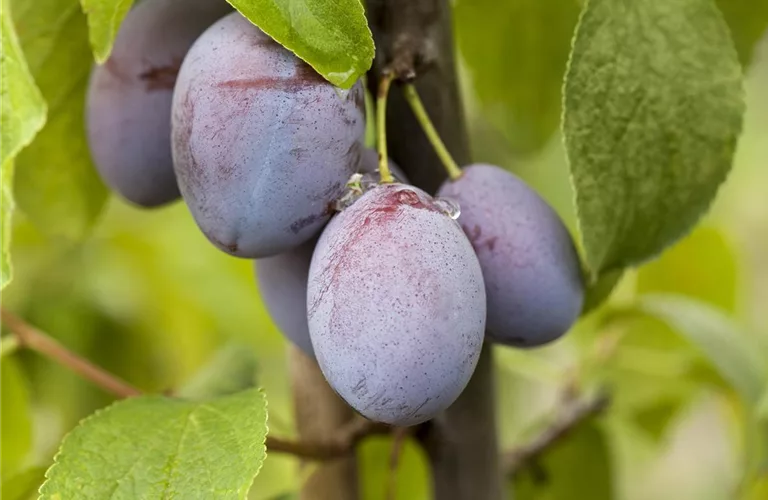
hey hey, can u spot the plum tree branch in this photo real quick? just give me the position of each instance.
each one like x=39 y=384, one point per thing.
x=31 y=338
x=338 y=444
x=569 y=417
x=414 y=41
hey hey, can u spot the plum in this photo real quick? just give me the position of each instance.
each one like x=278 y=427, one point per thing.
x=396 y=305
x=282 y=281
x=262 y=144
x=530 y=265
x=128 y=105
x=282 y=278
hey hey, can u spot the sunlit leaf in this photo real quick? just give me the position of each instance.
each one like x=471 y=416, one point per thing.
x=653 y=109
x=22 y=115
x=104 y=18
x=728 y=348
x=155 y=447
x=15 y=419
x=701 y=266
x=56 y=184
x=516 y=52
x=332 y=36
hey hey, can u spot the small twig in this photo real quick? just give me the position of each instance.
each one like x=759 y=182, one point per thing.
x=32 y=338
x=398 y=440
x=571 y=416
x=340 y=444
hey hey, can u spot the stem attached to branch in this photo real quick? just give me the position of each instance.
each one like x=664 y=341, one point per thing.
x=340 y=444
x=412 y=96
x=381 y=127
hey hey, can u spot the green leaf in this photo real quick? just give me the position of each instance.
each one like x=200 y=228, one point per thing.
x=516 y=52
x=728 y=349
x=104 y=18
x=22 y=115
x=23 y=485
x=748 y=21
x=15 y=418
x=332 y=36
x=156 y=447
x=232 y=369
x=653 y=109
x=577 y=467
x=598 y=291
x=702 y=266
x=55 y=182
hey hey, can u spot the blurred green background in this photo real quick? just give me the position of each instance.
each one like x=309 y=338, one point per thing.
x=147 y=297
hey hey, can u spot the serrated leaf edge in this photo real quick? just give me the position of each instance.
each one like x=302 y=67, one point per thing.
x=110 y=407
x=592 y=276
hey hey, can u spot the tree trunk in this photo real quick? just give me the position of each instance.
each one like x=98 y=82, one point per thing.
x=461 y=443
x=319 y=413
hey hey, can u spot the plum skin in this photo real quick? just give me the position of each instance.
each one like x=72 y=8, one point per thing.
x=282 y=278
x=128 y=107
x=262 y=144
x=282 y=281
x=531 y=269
x=396 y=306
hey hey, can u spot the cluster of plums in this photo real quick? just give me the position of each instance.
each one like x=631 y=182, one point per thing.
x=392 y=295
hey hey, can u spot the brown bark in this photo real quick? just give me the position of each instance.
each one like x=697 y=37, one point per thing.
x=414 y=40
x=320 y=413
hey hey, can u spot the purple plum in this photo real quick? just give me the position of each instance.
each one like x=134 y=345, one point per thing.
x=530 y=265
x=396 y=305
x=262 y=144
x=129 y=97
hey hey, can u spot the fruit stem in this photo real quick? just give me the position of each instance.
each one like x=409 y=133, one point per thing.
x=381 y=128
x=454 y=172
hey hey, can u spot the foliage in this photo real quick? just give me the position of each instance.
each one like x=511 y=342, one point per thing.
x=331 y=35
x=650 y=130
x=154 y=447
x=652 y=113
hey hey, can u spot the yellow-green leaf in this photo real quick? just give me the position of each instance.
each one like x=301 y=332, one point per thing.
x=104 y=18
x=16 y=418
x=156 y=447
x=56 y=185
x=516 y=52
x=21 y=117
x=701 y=266
x=731 y=351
